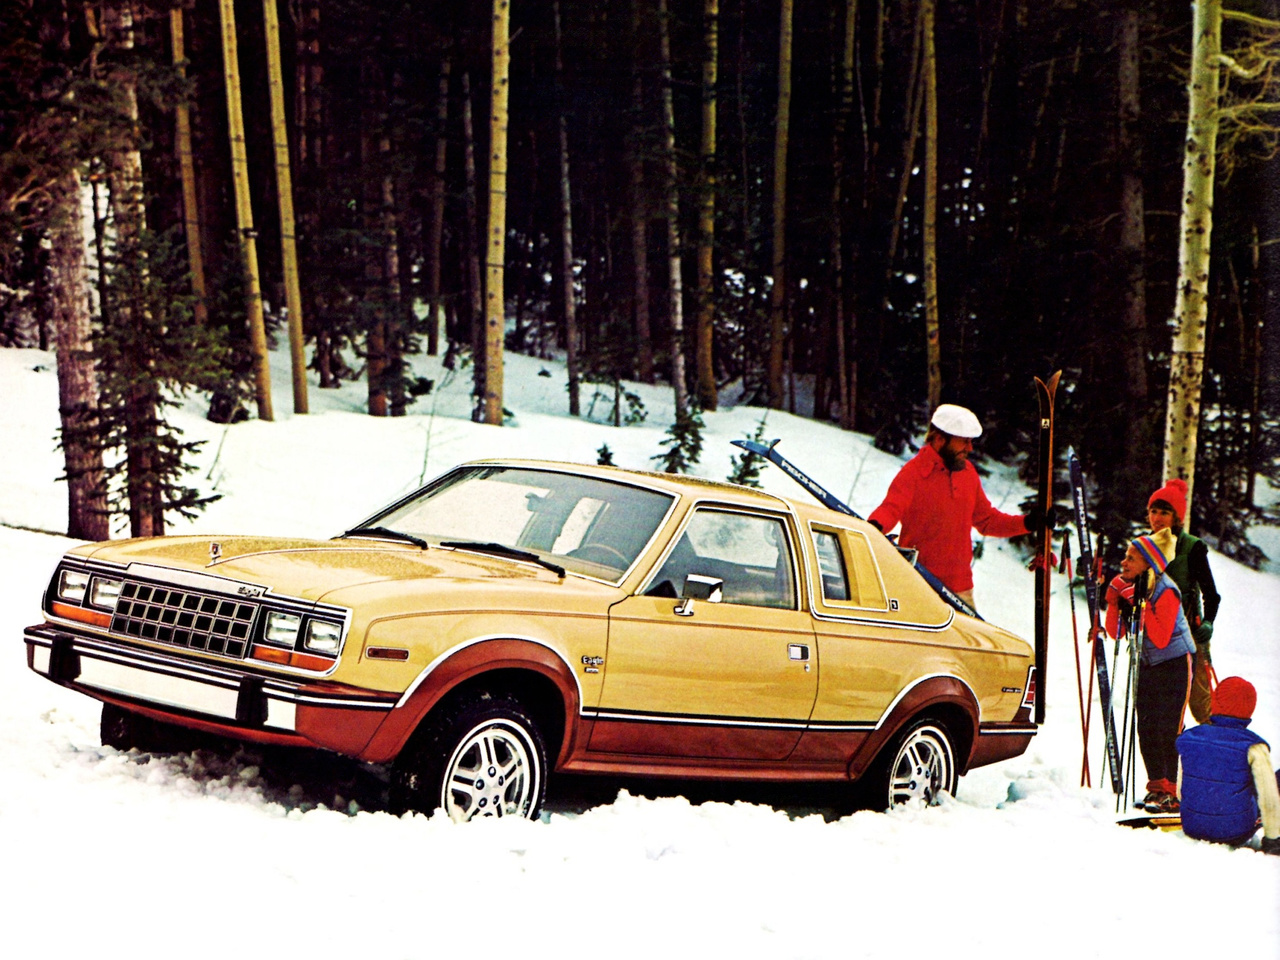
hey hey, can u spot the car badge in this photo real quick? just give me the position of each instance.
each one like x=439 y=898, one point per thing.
x=215 y=551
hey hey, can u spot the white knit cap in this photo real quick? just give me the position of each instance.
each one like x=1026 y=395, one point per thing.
x=957 y=421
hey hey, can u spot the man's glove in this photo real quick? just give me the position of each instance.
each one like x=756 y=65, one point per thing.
x=1203 y=633
x=1271 y=845
x=1037 y=518
x=876 y=524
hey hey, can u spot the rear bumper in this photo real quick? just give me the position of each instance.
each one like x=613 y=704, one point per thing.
x=224 y=698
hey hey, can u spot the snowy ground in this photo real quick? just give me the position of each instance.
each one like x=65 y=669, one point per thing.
x=260 y=855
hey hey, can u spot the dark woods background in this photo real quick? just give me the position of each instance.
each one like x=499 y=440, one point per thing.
x=1035 y=272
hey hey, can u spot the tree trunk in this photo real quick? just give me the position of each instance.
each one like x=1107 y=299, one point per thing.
x=392 y=291
x=1132 y=247
x=778 y=295
x=1191 y=306
x=87 y=517
x=932 y=346
x=186 y=164
x=672 y=186
x=244 y=212
x=707 y=394
x=284 y=197
x=471 y=235
x=844 y=326
x=566 y=232
x=435 y=215
x=639 y=211
x=495 y=312
x=128 y=216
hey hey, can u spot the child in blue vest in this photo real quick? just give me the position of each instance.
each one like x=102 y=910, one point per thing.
x=1164 y=667
x=1226 y=779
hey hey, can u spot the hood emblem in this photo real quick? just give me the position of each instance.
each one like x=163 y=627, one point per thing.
x=215 y=551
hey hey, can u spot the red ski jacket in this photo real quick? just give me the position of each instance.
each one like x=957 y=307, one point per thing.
x=937 y=507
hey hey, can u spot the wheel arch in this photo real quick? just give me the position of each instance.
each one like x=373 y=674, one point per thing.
x=529 y=670
x=943 y=697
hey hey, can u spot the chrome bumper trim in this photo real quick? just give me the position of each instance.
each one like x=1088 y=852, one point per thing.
x=207 y=689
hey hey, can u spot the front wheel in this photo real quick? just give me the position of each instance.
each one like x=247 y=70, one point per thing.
x=484 y=757
x=919 y=764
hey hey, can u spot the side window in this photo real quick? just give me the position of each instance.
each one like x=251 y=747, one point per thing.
x=848 y=569
x=835 y=579
x=750 y=553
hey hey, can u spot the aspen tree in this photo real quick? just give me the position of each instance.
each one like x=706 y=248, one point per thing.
x=284 y=198
x=495 y=312
x=244 y=211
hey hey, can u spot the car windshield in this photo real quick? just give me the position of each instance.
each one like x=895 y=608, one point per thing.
x=588 y=526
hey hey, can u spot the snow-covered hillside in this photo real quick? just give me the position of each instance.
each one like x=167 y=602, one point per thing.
x=258 y=855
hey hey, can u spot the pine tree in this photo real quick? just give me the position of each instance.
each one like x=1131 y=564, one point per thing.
x=683 y=443
x=746 y=468
x=148 y=356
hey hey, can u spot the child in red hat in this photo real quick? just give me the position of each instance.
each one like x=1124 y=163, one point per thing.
x=1226 y=781
x=1189 y=569
x=1164 y=667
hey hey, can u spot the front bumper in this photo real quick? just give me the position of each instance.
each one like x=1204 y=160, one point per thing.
x=229 y=699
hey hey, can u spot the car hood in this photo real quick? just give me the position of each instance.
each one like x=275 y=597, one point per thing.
x=312 y=569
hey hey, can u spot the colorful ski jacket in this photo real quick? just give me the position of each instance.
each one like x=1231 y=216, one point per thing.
x=1165 y=631
x=1217 y=783
x=937 y=507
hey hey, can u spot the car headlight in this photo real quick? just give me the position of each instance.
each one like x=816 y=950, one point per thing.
x=72 y=585
x=103 y=593
x=281 y=628
x=323 y=637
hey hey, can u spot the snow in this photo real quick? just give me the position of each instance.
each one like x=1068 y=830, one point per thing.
x=206 y=854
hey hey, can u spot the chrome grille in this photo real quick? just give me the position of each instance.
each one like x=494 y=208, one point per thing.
x=184 y=618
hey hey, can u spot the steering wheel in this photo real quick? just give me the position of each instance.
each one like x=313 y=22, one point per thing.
x=591 y=552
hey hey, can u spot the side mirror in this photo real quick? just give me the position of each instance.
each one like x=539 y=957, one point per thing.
x=698 y=587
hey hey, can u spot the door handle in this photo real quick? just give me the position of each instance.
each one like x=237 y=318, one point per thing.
x=798 y=651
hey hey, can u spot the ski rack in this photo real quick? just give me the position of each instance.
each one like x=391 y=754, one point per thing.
x=831 y=502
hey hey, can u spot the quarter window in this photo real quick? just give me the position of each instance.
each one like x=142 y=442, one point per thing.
x=835 y=579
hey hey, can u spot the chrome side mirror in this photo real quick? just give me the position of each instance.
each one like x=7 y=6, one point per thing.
x=698 y=587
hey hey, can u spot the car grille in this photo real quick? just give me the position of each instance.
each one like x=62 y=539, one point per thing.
x=184 y=618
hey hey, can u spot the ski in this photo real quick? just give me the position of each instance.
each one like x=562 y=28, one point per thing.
x=832 y=502
x=1095 y=621
x=1045 y=391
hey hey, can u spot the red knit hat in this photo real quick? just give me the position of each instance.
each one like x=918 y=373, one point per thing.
x=1234 y=697
x=1174 y=493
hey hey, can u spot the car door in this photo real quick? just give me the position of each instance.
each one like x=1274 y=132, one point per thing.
x=733 y=680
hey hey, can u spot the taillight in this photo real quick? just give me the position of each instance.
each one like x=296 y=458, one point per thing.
x=1029 y=696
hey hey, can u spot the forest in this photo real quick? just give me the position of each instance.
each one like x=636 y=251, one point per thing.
x=849 y=209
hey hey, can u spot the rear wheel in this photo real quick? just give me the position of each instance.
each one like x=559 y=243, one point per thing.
x=483 y=757
x=918 y=764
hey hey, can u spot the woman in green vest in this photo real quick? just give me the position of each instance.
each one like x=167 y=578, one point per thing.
x=1189 y=569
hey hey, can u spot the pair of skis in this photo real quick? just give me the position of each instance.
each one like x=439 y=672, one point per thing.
x=1097 y=635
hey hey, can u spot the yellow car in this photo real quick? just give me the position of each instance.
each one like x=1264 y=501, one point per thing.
x=517 y=617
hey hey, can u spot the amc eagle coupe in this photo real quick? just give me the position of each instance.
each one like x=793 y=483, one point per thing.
x=514 y=618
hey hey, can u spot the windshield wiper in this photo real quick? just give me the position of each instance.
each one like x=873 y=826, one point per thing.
x=503 y=550
x=386 y=532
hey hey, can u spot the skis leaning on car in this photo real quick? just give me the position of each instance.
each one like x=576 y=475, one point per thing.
x=829 y=500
